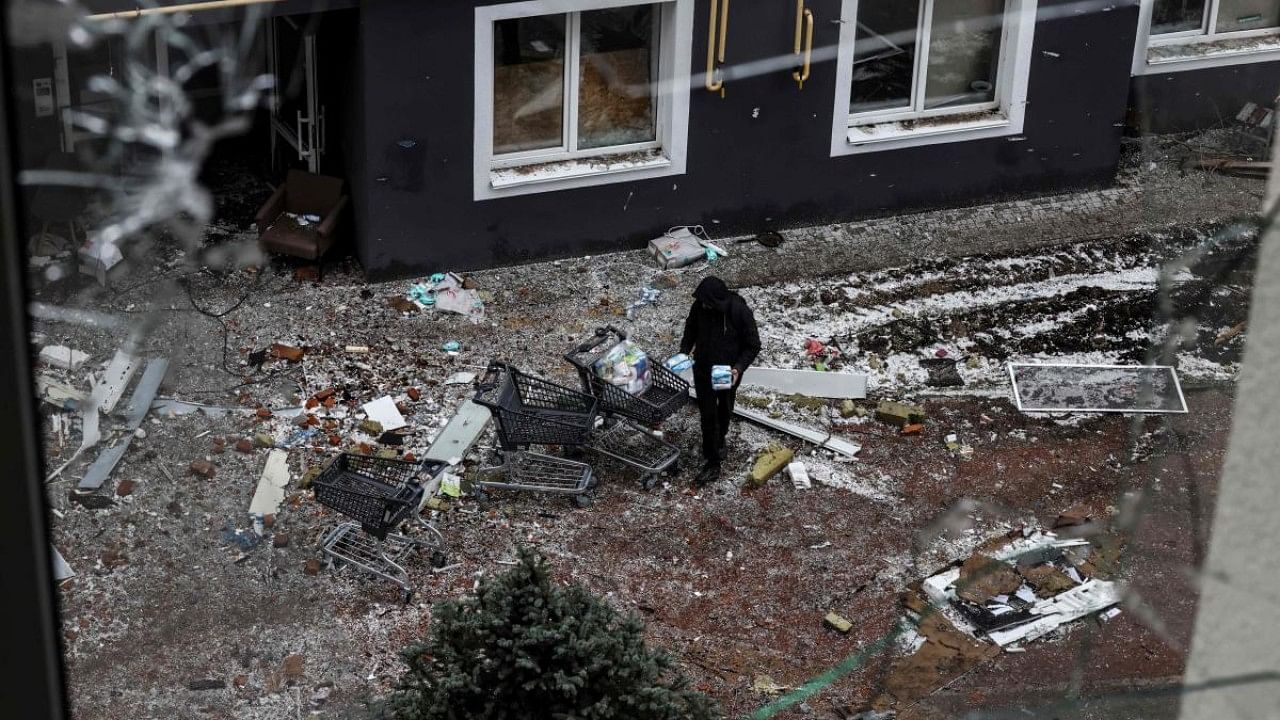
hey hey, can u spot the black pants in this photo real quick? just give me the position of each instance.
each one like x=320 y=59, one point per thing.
x=716 y=409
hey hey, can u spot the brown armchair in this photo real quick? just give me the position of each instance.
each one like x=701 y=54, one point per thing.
x=302 y=194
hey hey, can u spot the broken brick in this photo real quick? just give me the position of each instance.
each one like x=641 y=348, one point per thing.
x=324 y=394
x=1046 y=580
x=280 y=540
x=312 y=567
x=268 y=520
x=312 y=403
x=912 y=429
x=330 y=401
x=240 y=681
x=263 y=413
x=414 y=394
x=899 y=414
x=203 y=468
x=1073 y=516
x=125 y=488
x=770 y=463
x=286 y=352
x=983 y=577
x=837 y=623
x=292 y=668
x=334 y=440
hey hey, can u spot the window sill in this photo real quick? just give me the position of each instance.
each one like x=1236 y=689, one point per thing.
x=576 y=173
x=1176 y=57
x=913 y=133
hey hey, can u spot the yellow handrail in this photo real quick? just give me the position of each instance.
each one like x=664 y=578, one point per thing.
x=716 y=52
x=800 y=76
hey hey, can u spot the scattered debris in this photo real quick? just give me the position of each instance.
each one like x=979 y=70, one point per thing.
x=62 y=357
x=770 y=463
x=139 y=403
x=678 y=247
x=1096 y=388
x=899 y=414
x=823 y=439
x=942 y=372
x=799 y=476
x=287 y=352
x=270 y=491
x=837 y=623
x=203 y=468
x=61 y=570
x=462 y=432
x=61 y=395
x=384 y=412
x=114 y=381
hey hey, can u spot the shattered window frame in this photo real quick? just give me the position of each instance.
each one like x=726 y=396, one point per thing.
x=857 y=132
x=559 y=168
x=1202 y=47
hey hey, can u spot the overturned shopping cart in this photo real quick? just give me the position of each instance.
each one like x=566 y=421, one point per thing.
x=379 y=495
x=626 y=431
x=529 y=411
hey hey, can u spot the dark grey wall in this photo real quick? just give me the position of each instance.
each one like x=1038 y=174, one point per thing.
x=1199 y=99
x=744 y=173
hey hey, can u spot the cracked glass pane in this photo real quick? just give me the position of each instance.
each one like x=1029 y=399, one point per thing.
x=884 y=55
x=1170 y=16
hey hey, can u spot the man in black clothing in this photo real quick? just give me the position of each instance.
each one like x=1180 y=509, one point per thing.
x=721 y=330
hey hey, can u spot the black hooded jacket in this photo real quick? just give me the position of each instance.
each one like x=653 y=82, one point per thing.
x=721 y=330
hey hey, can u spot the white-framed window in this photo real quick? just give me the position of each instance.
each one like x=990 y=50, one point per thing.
x=573 y=93
x=920 y=72
x=1175 y=35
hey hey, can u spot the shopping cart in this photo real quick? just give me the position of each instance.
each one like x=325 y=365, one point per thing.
x=378 y=494
x=532 y=411
x=667 y=393
x=625 y=431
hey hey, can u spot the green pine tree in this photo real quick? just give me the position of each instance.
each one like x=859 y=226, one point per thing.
x=525 y=648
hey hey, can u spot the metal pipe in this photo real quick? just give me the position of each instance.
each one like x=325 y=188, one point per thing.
x=171 y=9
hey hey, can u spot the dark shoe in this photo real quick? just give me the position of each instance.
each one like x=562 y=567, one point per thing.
x=709 y=474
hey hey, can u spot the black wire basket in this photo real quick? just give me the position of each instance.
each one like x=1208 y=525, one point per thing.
x=533 y=411
x=378 y=493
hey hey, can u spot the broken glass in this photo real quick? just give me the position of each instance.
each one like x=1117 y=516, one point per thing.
x=884 y=55
x=1172 y=16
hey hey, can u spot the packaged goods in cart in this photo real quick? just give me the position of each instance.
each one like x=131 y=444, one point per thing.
x=625 y=366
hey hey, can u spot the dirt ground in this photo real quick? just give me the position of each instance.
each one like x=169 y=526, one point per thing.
x=732 y=580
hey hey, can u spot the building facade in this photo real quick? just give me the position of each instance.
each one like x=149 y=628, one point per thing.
x=474 y=133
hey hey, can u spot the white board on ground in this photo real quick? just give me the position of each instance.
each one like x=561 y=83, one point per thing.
x=384 y=412
x=114 y=381
x=809 y=383
x=460 y=434
x=270 y=492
